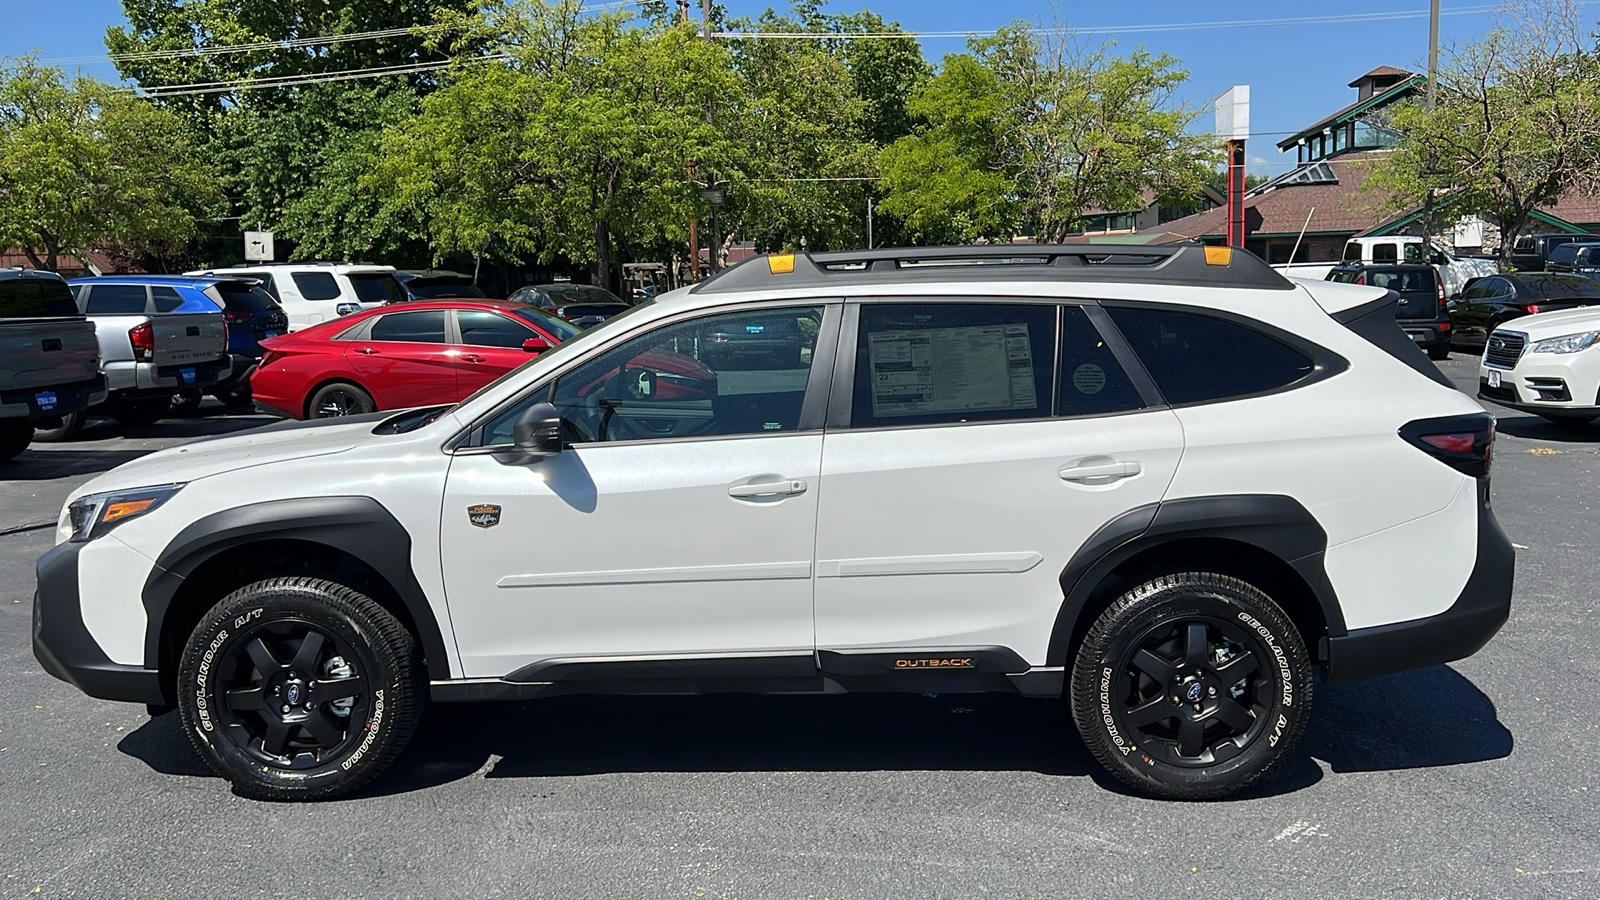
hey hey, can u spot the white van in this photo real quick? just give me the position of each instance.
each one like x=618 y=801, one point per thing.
x=317 y=292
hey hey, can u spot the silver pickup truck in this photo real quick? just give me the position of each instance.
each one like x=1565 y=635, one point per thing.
x=49 y=358
x=148 y=353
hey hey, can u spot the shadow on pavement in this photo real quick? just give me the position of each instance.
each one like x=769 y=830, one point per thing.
x=193 y=426
x=48 y=465
x=1434 y=717
x=1539 y=429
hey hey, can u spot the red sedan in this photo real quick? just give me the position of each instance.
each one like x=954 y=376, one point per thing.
x=394 y=357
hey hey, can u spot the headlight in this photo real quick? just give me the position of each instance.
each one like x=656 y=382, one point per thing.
x=94 y=515
x=1567 y=343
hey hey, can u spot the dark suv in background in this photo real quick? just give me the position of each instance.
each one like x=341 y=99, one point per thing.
x=1532 y=251
x=1577 y=258
x=1421 y=311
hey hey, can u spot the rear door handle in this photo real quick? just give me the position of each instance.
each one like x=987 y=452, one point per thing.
x=367 y=351
x=768 y=489
x=1099 y=470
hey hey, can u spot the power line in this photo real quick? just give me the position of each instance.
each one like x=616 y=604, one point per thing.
x=225 y=87
x=1348 y=18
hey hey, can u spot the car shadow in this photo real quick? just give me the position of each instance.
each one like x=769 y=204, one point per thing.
x=48 y=465
x=1537 y=428
x=1434 y=717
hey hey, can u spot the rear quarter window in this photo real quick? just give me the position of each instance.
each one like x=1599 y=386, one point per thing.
x=245 y=297
x=1196 y=358
x=166 y=299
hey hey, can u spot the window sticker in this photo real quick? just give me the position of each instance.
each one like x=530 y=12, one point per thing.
x=1089 y=379
x=935 y=370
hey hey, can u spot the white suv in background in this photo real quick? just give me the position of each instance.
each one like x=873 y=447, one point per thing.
x=318 y=292
x=1163 y=483
x=1547 y=364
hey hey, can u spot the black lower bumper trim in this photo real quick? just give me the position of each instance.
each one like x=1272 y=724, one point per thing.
x=1460 y=631
x=64 y=646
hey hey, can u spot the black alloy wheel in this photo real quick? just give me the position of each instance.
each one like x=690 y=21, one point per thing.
x=339 y=400
x=1191 y=686
x=299 y=689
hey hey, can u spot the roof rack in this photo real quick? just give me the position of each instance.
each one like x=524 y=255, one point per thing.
x=1186 y=263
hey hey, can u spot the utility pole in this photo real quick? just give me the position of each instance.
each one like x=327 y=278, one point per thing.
x=715 y=249
x=1433 y=88
x=869 y=223
x=694 y=223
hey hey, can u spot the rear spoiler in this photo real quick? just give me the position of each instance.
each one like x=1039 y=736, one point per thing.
x=1376 y=322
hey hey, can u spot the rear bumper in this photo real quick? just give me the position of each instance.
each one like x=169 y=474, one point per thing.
x=237 y=377
x=26 y=405
x=1426 y=332
x=64 y=646
x=129 y=379
x=1479 y=611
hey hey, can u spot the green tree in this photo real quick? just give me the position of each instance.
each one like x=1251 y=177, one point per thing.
x=578 y=146
x=85 y=166
x=1046 y=130
x=1516 y=126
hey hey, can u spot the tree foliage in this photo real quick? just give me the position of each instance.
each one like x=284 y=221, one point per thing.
x=1021 y=134
x=1516 y=126
x=84 y=166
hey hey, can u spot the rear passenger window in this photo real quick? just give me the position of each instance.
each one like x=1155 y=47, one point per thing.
x=931 y=363
x=1195 y=358
x=316 y=285
x=420 y=327
x=116 y=300
x=1092 y=381
x=166 y=299
x=1385 y=253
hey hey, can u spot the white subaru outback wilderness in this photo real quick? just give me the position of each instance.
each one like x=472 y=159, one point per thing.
x=1162 y=483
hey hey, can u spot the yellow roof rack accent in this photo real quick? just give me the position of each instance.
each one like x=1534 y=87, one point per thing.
x=780 y=264
x=1219 y=256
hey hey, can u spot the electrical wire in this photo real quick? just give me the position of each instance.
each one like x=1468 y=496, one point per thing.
x=226 y=87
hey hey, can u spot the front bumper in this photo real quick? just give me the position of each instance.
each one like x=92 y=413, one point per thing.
x=64 y=646
x=1480 y=610
x=1544 y=387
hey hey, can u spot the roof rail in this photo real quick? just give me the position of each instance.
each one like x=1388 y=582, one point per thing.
x=1186 y=263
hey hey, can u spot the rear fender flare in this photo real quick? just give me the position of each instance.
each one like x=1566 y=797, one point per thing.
x=1274 y=523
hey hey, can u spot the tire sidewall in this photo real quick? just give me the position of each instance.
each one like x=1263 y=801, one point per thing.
x=364 y=401
x=1275 y=642
x=223 y=632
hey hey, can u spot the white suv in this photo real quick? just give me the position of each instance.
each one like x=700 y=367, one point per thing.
x=1163 y=483
x=321 y=292
x=1547 y=364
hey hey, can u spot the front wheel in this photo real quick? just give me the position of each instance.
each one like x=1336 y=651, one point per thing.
x=1439 y=352
x=1191 y=686
x=13 y=441
x=299 y=689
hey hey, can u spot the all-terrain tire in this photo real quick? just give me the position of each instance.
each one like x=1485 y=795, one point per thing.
x=1439 y=353
x=267 y=673
x=1191 y=686
x=71 y=424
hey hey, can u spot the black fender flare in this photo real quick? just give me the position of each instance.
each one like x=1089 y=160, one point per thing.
x=359 y=526
x=1277 y=524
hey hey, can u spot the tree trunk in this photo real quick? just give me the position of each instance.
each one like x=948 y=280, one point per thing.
x=602 y=256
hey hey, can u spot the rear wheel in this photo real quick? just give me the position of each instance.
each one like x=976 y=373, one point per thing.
x=144 y=411
x=71 y=424
x=185 y=404
x=339 y=399
x=235 y=399
x=1439 y=352
x=1191 y=686
x=299 y=689
x=13 y=441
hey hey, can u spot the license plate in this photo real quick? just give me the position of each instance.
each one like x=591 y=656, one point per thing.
x=1494 y=379
x=1416 y=336
x=269 y=334
x=187 y=375
x=46 y=400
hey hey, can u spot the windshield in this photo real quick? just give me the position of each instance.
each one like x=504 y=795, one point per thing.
x=581 y=339
x=1560 y=287
x=561 y=328
x=377 y=287
x=582 y=293
x=442 y=288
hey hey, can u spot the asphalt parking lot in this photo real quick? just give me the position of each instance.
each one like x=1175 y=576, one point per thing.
x=1468 y=780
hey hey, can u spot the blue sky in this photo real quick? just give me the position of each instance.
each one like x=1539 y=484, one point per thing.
x=1297 y=73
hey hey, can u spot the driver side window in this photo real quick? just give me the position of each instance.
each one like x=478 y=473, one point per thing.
x=728 y=374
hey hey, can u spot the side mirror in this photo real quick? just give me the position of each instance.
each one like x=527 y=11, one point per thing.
x=536 y=345
x=1438 y=258
x=538 y=431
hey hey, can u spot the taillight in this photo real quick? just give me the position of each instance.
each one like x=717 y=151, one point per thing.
x=1532 y=308
x=1361 y=278
x=1444 y=326
x=1464 y=443
x=235 y=316
x=1438 y=282
x=143 y=339
x=268 y=357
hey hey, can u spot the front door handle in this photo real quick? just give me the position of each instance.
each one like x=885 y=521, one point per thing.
x=768 y=489
x=472 y=358
x=1099 y=470
x=367 y=351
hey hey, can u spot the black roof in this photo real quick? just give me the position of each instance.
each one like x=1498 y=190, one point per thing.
x=20 y=272
x=1187 y=263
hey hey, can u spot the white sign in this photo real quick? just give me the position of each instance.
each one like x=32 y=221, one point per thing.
x=258 y=246
x=1233 y=113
